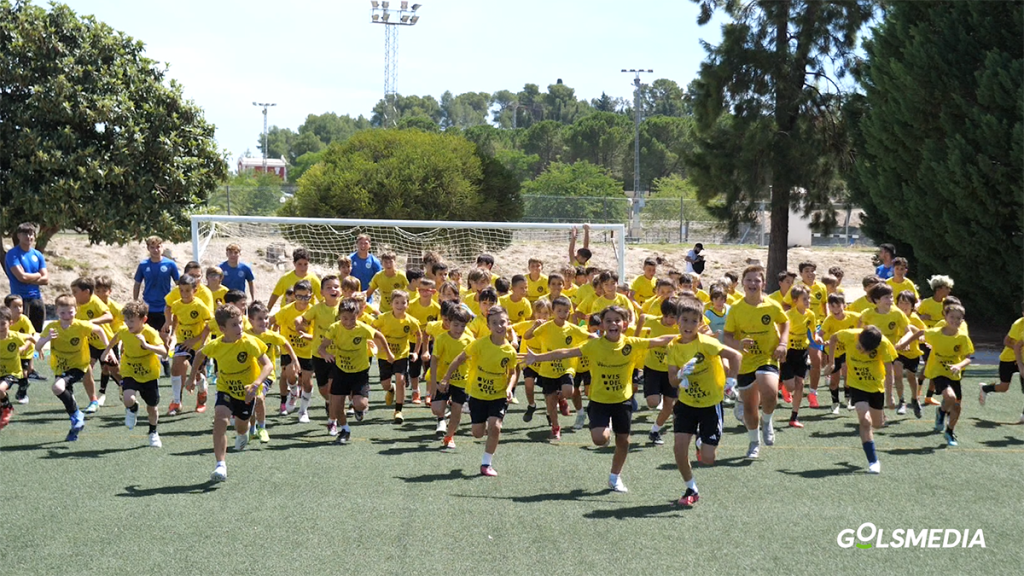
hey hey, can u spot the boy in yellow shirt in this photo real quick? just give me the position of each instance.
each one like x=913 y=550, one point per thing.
x=907 y=360
x=516 y=302
x=285 y=320
x=425 y=309
x=404 y=338
x=189 y=320
x=448 y=345
x=899 y=281
x=104 y=285
x=242 y=368
x=890 y=321
x=316 y=320
x=658 y=391
x=214 y=279
x=801 y=323
x=1007 y=362
x=786 y=280
x=537 y=283
x=69 y=356
x=300 y=261
x=277 y=346
x=91 y=309
x=643 y=286
x=583 y=255
x=13 y=345
x=839 y=318
x=140 y=366
x=387 y=281
x=22 y=325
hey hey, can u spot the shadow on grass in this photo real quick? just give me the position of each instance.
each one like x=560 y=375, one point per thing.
x=841 y=469
x=201 y=488
x=1006 y=442
x=70 y=453
x=576 y=494
x=918 y=434
x=28 y=447
x=651 y=511
x=923 y=451
x=851 y=430
x=418 y=439
x=986 y=424
x=456 y=474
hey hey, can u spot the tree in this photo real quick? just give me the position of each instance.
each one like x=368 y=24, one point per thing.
x=562 y=106
x=407 y=106
x=545 y=140
x=601 y=138
x=93 y=136
x=250 y=193
x=579 y=192
x=464 y=110
x=764 y=109
x=940 y=144
x=663 y=97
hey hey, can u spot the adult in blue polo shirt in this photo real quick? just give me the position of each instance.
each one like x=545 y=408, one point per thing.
x=26 y=270
x=364 y=264
x=158 y=274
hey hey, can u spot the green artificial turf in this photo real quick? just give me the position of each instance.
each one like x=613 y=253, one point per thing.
x=391 y=502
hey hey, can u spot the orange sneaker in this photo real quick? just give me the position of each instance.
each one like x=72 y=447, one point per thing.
x=931 y=401
x=426 y=400
x=812 y=400
x=448 y=443
x=174 y=409
x=416 y=397
x=786 y=396
x=201 y=402
x=795 y=424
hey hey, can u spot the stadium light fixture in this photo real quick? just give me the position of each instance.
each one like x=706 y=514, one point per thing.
x=385 y=4
x=382 y=13
x=264 y=105
x=374 y=3
x=636 y=126
x=416 y=7
x=405 y=4
x=386 y=16
x=414 y=20
x=405 y=18
x=376 y=17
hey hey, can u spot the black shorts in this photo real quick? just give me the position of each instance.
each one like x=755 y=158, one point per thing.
x=795 y=365
x=9 y=381
x=346 y=383
x=619 y=416
x=838 y=363
x=909 y=364
x=416 y=367
x=95 y=353
x=1006 y=372
x=156 y=320
x=875 y=400
x=71 y=377
x=926 y=351
x=321 y=371
x=456 y=394
x=305 y=364
x=481 y=410
x=149 y=391
x=529 y=372
x=554 y=385
x=706 y=422
x=181 y=351
x=656 y=384
x=389 y=369
x=743 y=381
x=25 y=362
x=239 y=408
x=943 y=382
x=581 y=379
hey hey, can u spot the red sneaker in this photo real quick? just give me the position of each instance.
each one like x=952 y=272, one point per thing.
x=201 y=402
x=795 y=424
x=174 y=409
x=416 y=397
x=812 y=400
x=488 y=471
x=5 y=416
x=786 y=396
x=697 y=452
x=689 y=498
x=448 y=443
x=556 y=433
x=563 y=407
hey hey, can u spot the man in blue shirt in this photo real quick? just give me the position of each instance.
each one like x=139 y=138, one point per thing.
x=237 y=274
x=26 y=270
x=159 y=275
x=886 y=253
x=364 y=265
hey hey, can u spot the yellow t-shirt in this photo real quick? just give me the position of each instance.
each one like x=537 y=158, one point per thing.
x=599 y=303
x=478 y=327
x=703 y=296
x=218 y=296
x=779 y=297
x=611 y=367
x=202 y=293
x=914 y=349
x=398 y=332
x=91 y=310
x=946 y=350
x=652 y=306
x=758 y=323
x=424 y=314
x=893 y=324
x=285 y=320
x=115 y=309
x=865 y=371
x=536 y=288
x=446 y=350
x=582 y=294
x=192 y=319
x=898 y=287
x=385 y=285
x=707 y=381
x=799 y=324
x=931 y=307
x=275 y=344
x=860 y=305
x=1016 y=334
x=733 y=297
x=10 y=359
x=655 y=359
x=643 y=288
x=435 y=328
x=549 y=336
x=69 y=350
x=23 y=326
x=517 y=311
x=237 y=363
x=833 y=325
x=489 y=368
x=349 y=346
x=818 y=296
x=290 y=279
x=137 y=362
x=319 y=318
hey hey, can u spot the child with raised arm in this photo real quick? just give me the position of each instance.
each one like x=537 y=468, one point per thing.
x=242 y=367
x=277 y=346
x=695 y=368
x=490 y=376
x=583 y=255
x=140 y=366
x=69 y=356
x=13 y=346
x=611 y=365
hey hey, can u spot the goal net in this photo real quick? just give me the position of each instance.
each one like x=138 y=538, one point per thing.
x=271 y=240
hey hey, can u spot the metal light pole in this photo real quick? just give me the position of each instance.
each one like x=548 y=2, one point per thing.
x=636 y=127
x=382 y=13
x=264 y=105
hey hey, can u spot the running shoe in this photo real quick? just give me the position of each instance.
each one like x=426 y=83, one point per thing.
x=563 y=407
x=22 y=396
x=514 y=400
x=154 y=441
x=284 y=410
x=360 y=415
x=343 y=437
x=655 y=438
x=901 y=409
x=768 y=434
x=787 y=396
x=201 y=402
x=812 y=400
x=488 y=471
x=448 y=443
x=130 y=418
x=389 y=397
x=5 y=416
x=794 y=424
x=951 y=438
x=399 y=418
x=753 y=451
x=982 y=395
x=556 y=433
x=931 y=401
x=263 y=435
x=220 y=473
x=304 y=418
x=241 y=441
x=289 y=403
x=102 y=399
x=835 y=409
x=332 y=429
x=528 y=415
x=174 y=409
x=416 y=397
x=737 y=411
x=92 y=407
x=689 y=498
x=875 y=467
x=617 y=485
x=581 y=419
x=442 y=428
x=916 y=407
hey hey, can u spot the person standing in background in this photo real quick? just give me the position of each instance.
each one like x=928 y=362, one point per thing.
x=26 y=271
x=364 y=265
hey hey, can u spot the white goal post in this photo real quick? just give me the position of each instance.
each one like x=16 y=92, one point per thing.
x=457 y=242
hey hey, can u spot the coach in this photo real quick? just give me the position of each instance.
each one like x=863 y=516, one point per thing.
x=26 y=270
x=364 y=264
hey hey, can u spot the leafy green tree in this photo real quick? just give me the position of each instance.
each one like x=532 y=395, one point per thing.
x=579 y=192
x=249 y=193
x=522 y=165
x=408 y=106
x=605 y=104
x=464 y=110
x=503 y=101
x=664 y=97
x=279 y=142
x=304 y=163
x=93 y=135
x=766 y=113
x=601 y=138
x=424 y=123
x=940 y=144
x=544 y=139
x=665 y=143
x=562 y=106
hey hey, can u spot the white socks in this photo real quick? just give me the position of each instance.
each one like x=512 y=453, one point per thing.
x=176 y=389
x=752 y=435
x=304 y=403
x=692 y=484
x=767 y=419
x=655 y=427
x=487 y=459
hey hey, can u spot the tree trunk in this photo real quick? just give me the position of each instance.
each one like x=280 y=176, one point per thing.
x=44 y=235
x=785 y=120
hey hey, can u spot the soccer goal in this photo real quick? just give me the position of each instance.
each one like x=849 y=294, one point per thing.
x=511 y=243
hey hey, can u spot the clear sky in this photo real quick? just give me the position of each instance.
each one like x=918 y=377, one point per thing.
x=315 y=56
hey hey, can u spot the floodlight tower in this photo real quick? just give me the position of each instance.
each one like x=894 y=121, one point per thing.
x=264 y=105
x=637 y=113
x=391 y=18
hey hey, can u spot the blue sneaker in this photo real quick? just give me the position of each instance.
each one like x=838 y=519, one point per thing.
x=951 y=438
x=940 y=420
x=77 y=423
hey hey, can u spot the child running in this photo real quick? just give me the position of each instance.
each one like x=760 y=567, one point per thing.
x=12 y=346
x=450 y=394
x=140 y=366
x=277 y=345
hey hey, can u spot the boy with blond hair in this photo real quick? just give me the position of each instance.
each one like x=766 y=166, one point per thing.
x=13 y=345
x=140 y=366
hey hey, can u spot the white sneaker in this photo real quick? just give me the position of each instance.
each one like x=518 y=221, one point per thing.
x=23 y=400
x=982 y=396
x=901 y=410
x=130 y=418
x=154 y=441
x=875 y=468
x=304 y=418
x=1021 y=421
x=332 y=429
x=737 y=411
x=835 y=409
x=241 y=441
x=768 y=434
x=660 y=405
x=220 y=473
x=753 y=451
x=289 y=404
x=102 y=399
x=442 y=427
x=618 y=485
x=581 y=419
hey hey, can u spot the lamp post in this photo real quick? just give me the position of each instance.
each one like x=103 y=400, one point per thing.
x=636 y=125
x=392 y=18
x=264 y=105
